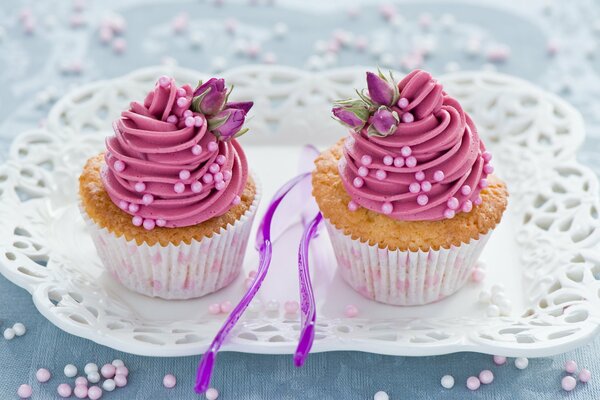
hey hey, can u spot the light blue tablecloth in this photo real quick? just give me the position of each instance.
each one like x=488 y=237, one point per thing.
x=30 y=64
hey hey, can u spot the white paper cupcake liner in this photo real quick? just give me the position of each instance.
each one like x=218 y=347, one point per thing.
x=182 y=271
x=404 y=278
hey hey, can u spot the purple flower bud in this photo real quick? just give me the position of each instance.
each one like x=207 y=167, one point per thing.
x=383 y=122
x=210 y=97
x=227 y=124
x=380 y=90
x=240 y=105
x=347 y=117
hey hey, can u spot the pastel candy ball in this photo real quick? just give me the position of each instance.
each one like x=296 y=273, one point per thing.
x=118 y=363
x=388 y=160
x=42 y=375
x=568 y=383
x=447 y=381
x=585 y=375
x=81 y=391
x=70 y=370
x=398 y=162
x=24 y=391
x=120 y=380
x=403 y=102
x=211 y=394
x=64 y=390
x=81 y=380
x=94 y=393
x=94 y=377
x=499 y=360
x=109 y=385
x=438 y=176
x=406 y=151
x=122 y=370
x=486 y=377
x=214 y=309
x=212 y=146
x=387 y=208
x=9 y=334
x=411 y=162
x=366 y=160
x=571 y=366
x=108 y=371
x=381 y=395
x=291 y=307
x=351 y=311
x=19 y=329
x=169 y=381
x=521 y=363
x=473 y=383
x=414 y=187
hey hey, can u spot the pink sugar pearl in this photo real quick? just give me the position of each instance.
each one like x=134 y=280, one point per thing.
x=358 y=182
x=212 y=146
x=351 y=311
x=147 y=199
x=214 y=309
x=486 y=377
x=189 y=121
x=387 y=208
x=448 y=213
x=403 y=102
x=411 y=162
x=438 y=176
x=149 y=224
x=94 y=393
x=169 y=381
x=426 y=186
x=212 y=394
x=352 y=206
x=487 y=156
x=198 y=121
x=422 y=199
x=467 y=206
x=366 y=160
x=24 y=391
x=81 y=381
x=291 y=307
x=478 y=201
x=196 y=149
x=42 y=375
x=161 y=222
x=236 y=200
x=226 y=307
x=585 y=375
x=207 y=178
x=164 y=81
x=398 y=162
x=227 y=175
x=477 y=275
x=133 y=208
x=220 y=159
x=220 y=185
x=137 y=220
x=380 y=174
x=571 y=366
x=473 y=383
x=119 y=166
x=120 y=380
x=214 y=168
x=466 y=190
x=123 y=205
x=388 y=160
x=568 y=383
x=499 y=360
x=182 y=102
x=196 y=187
x=140 y=187
x=108 y=371
x=122 y=370
x=188 y=113
x=488 y=169
x=406 y=151
x=420 y=176
x=363 y=171
x=452 y=203
x=252 y=274
x=64 y=390
x=184 y=174
x=179 y=187
x=80 y=391
x=407 y=118
x=414 y=187
x=483 y=183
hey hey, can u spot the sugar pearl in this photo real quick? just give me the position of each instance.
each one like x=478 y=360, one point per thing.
x=81 y=391
x=137 y=220
x=94 y=377
x=363 y=171
x=466 y=190
x=207 y=178
x=169 y=381
x=227 y=175
x=214 y=308
x=358 y=182
x=122 y=371
x=182 y=102
x=123 y=205
x=477 y=275
x=585 y=375
x=133 y=208
x=272 y=305
x=94 y=393
x=422 y=199
x=81 y=380
x=483 y=183
x=486 y=377
x=366 y=160
x=164 y=81
x=398 y=162
x=381 y=395
x=220 y=185
x=568 y=383
x=499 y=360
x=236 y=200
x=159 y=222
x=447 y=381
x=452 y=203
x=64 y=390
x=214 y=168
x=467 y=206
x=189 y=121
x=487 y=156
x=407 y=117
x=521 y=362
x=255 y=306
x=184 y=174
x=351 y=311
x=406 y=151
x=291 y=307
x=473 y=383
x=352 y=206
x=188 y=113
x=211 y=394
x=414 y=187
x=196 y=149
x=477 y=201
x=109 y=385
x=388 y=160
x=380 y=174
x=448 y=213
x=218 y=177
x=387 y=208
x=196 y=187
x=24 y=391
x=438 y=176
x=119 y=166
x=42 y=375
x=420 y=175
x=147 y=199
x=403 y=102
x=488 y=169
x=120 y=380
x=149 y=224
x=426 y=186
x=172 y=119
x=212 y=146
x=108 y=371
x=571 y=366
x=9 y=334
x=226 y=307
x=70 y=370
x=411 y=162
x=179 y=187
x=198 y=121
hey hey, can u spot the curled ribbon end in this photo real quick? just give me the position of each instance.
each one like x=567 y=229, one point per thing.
x=205 y=370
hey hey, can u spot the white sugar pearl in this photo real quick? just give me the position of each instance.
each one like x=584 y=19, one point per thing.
x=272 y=305
x=497 y=289
x=521 y=362
x=89 y=368
x=19 y=329
x=492 y=311
x=484 y=297
x=109 y=385
x=9 y=334
x=211 y=394
x=94 y=377
x=447 y=381
x=381 y=395
x=70 y=371
x=118 y=363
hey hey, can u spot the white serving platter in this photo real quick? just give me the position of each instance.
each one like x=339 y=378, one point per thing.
x=545 y=252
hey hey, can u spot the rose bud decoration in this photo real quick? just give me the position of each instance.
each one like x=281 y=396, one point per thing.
x=383 y=122
x=351 y=113
x=240 y=105
x=381 y=91
x=210 y=97
x=227 y=124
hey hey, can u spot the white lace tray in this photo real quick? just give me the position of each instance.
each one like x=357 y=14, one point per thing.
x=545 y=251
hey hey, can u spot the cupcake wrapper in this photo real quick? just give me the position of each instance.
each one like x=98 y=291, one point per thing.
x=182 y=271
x=404 y=278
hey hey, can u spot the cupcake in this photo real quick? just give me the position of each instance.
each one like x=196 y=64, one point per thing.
x=170 y=203
x=408 y=196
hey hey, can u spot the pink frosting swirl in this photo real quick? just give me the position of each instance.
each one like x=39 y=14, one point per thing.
x=433 y=166
x=166 y=169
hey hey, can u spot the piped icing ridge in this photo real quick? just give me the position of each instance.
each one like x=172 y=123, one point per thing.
x=173 y=160
x=413 y=153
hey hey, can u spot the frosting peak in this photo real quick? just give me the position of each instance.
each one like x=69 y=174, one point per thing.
x=166 y=167
x=418 y=156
